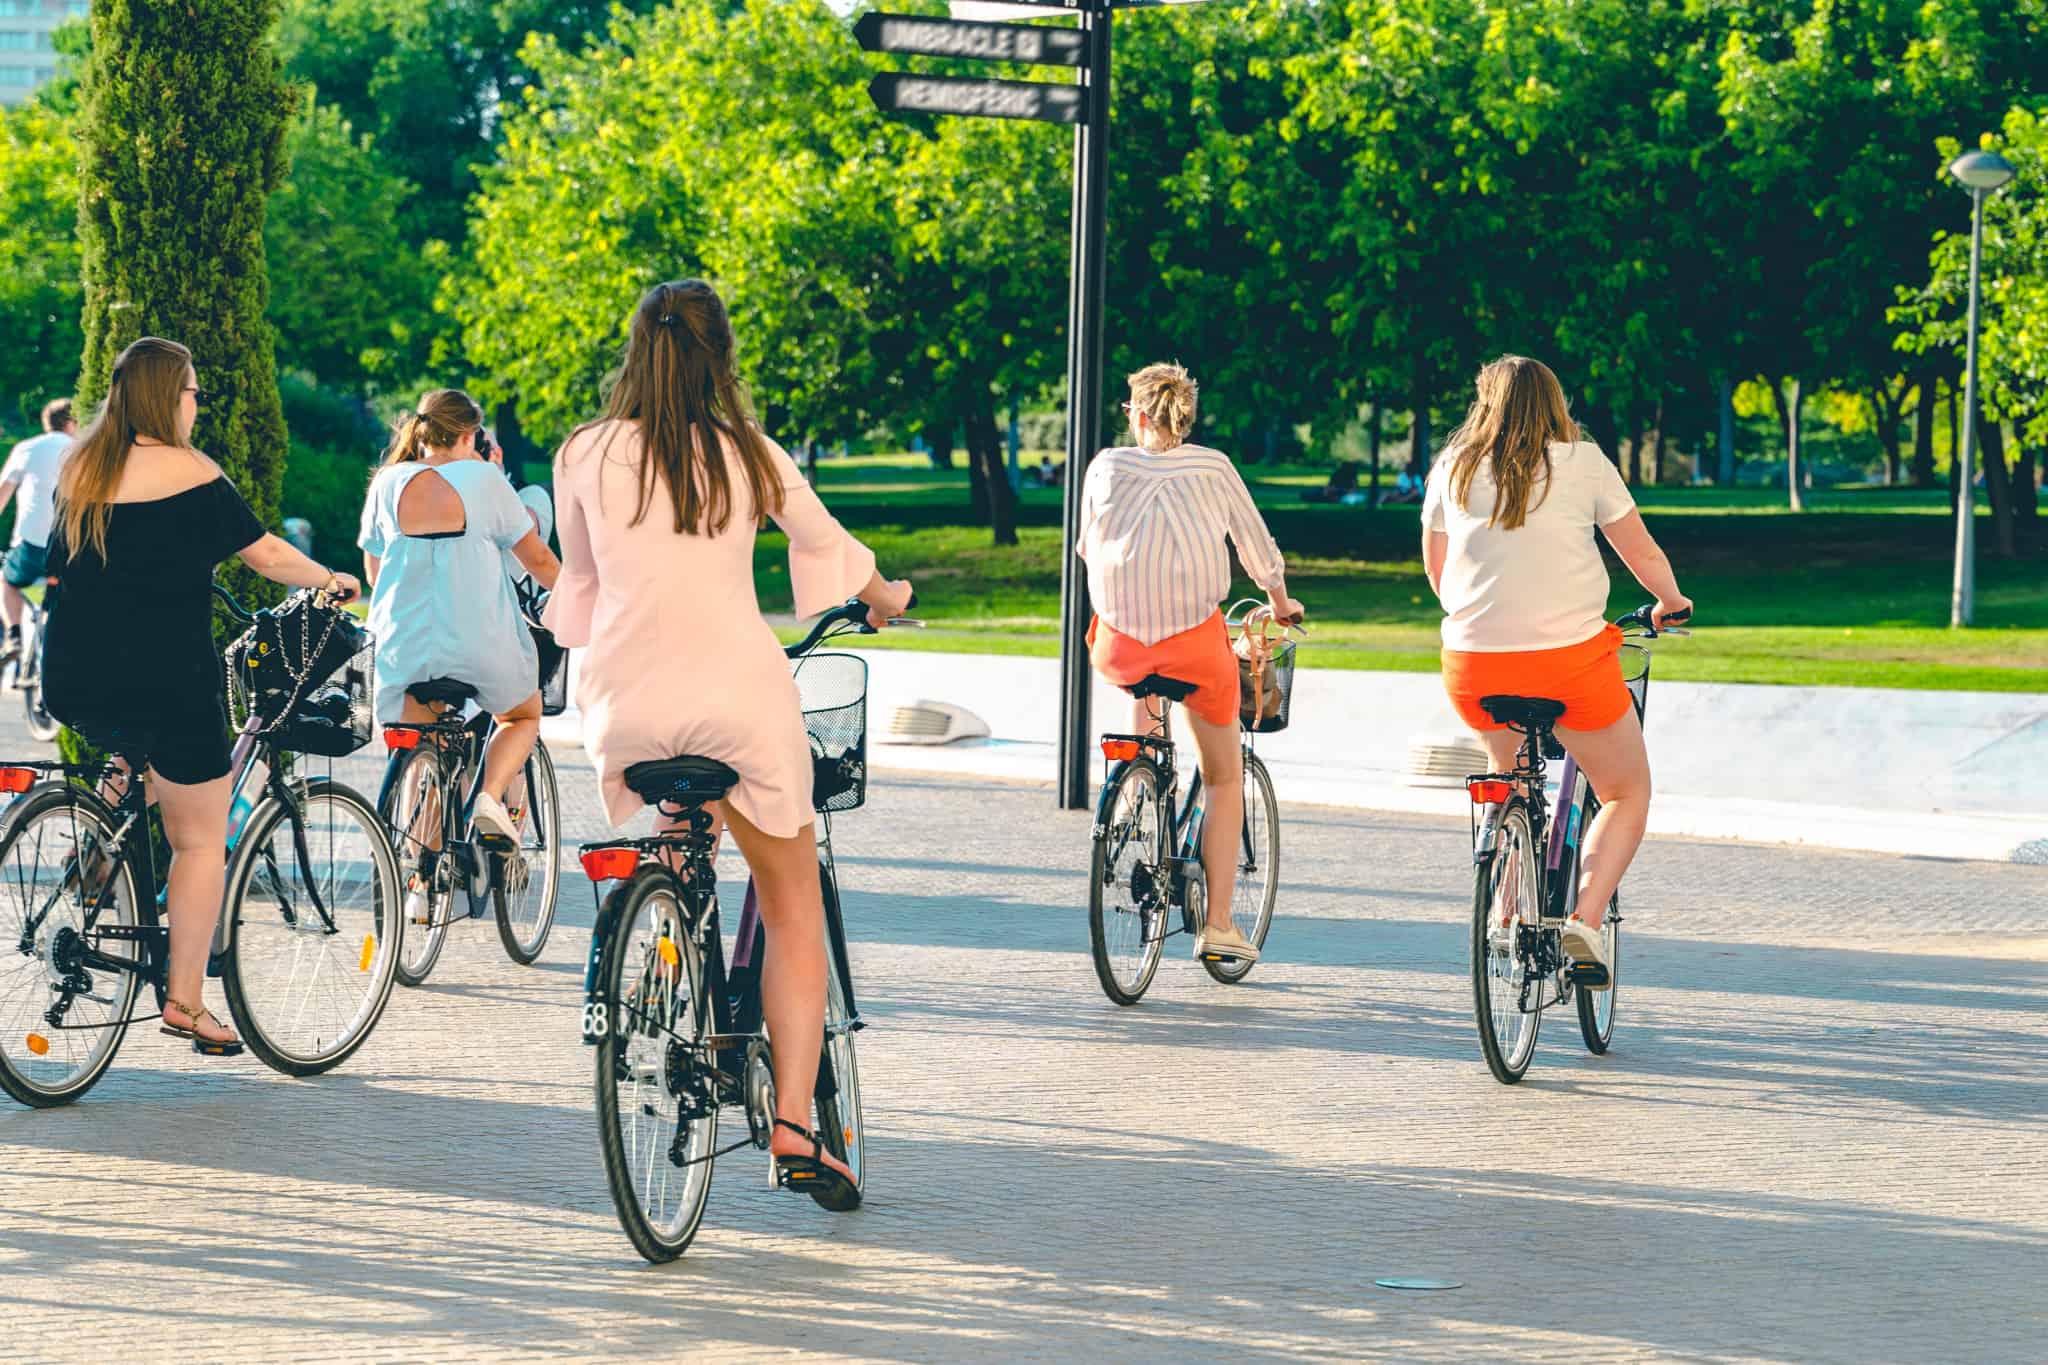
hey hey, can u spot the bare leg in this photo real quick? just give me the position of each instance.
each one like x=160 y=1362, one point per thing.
x=511 y=745
x=1617 y=764
x=793 y=973
x=1223 y=815
x=12 y=604
x=196 y=825
x=426 y=817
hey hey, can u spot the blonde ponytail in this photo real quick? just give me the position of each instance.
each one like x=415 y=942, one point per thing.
x=438 y=423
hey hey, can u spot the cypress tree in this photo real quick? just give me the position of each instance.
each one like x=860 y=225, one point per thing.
x=185 y=113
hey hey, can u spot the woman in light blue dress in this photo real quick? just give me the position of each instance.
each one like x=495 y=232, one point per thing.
x=437 y=526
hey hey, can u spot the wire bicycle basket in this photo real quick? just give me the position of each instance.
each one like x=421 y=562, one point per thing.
x=833 y=689
x=1635 y=671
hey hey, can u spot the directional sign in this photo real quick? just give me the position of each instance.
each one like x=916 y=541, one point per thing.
x=896 y=92
x=987 y=42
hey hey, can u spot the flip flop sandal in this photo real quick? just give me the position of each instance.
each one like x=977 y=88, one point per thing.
x=825 y=1184
x=204 y=1046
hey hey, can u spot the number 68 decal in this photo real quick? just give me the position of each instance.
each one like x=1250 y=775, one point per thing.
x=596 y=1019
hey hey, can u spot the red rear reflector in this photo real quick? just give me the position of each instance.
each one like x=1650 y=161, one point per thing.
x=1490 y=793
x=17 y=779
x=610 y=864
x=1119 y=749
x=396 y=737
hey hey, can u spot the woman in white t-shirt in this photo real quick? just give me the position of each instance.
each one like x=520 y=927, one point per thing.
x=1508 y=525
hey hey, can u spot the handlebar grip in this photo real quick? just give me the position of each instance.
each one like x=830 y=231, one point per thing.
x=911 y=605
x=1676 y=618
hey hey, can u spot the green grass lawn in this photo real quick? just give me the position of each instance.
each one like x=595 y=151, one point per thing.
x=1852 y=593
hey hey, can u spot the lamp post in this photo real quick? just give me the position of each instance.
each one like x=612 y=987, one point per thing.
x=1981 y=173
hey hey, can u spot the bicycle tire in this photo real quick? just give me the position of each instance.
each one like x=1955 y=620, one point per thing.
x=626 y=970
x=1130 y=797
x=841 y=1122
x=1499 y=970
x=405 y=780
x=58 y=801
x=543 y=815
x=41 y=724
x=1596 y=1008
x=289 y=934
x=1251 y=912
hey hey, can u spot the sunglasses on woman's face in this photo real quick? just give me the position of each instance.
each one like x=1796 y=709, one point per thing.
x=199 y=395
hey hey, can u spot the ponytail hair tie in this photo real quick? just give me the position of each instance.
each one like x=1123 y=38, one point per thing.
x=667 y=320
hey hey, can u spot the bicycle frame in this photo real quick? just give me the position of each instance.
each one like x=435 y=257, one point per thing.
x=458 y=746
x=1180 y=834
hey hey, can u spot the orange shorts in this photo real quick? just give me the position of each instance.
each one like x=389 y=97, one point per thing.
x=1586 y=677
x=1200 y=656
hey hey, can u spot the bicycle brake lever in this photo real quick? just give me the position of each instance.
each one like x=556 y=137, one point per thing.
x=911 y=621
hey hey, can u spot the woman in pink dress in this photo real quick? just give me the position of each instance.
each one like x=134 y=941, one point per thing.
x=657 y=587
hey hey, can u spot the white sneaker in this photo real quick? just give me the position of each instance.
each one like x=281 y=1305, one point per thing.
x=493 y=821
x=1224 y=943
x=1587 y=945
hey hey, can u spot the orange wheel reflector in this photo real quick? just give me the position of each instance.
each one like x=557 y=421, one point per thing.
x=610 y=864
x=1116 y=750
x=1490 y=793
x=17 y=779
x=39 y=1045
x=398 y=737
x=667 y=948
x=369 y=950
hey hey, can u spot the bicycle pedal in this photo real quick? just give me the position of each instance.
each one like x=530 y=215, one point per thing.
x=1588 y=974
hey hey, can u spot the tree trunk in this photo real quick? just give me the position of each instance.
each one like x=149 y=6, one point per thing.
x=985 y=461
x=1788 y=419
x=1418 y=439
x=2026 y=496
x=1997 y=483
x=1727 y=464
x=1923 y=431
x=938 y=444
x=1889 y=407
x=1657 y=451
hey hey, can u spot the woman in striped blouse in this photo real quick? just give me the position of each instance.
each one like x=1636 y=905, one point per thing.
x=1154 y=518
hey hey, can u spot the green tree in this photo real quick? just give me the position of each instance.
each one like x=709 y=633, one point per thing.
x=185 y=113
x=40 y=295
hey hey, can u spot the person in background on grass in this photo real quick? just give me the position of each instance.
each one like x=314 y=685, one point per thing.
x=32 y=472
x=1508 y=544
x=1157 y=523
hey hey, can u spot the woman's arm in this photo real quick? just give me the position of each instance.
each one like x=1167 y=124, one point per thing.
x=534 y=555
x=573 y=606
x=1646 y=560
x=1256 y=547
x=276 y=559
x=371 y=564
x=1436 y=548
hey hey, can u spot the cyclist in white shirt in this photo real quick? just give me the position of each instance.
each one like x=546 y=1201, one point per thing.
x=31 y=471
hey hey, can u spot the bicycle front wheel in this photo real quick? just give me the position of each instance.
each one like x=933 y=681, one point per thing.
x=1128 y=883
x=657 y=1103
x=1596 y=1008
x=1506 y=912
x=41 y=723
x=47 y=911
x=528 y=880
x=1258 y=869
x=314 y=928
x=840 y=1125
x=411 y=810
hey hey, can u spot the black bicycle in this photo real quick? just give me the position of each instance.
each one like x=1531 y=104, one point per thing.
x=305 y=948
x=678 y=1030
x=24 y=672
x=1146 y=882
x=449 y=872
x=1521 y=898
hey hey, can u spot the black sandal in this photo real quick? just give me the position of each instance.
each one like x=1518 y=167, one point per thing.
x=825 y=1184
x=204 y=1046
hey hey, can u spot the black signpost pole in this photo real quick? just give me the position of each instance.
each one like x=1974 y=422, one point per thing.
x=1084 y=395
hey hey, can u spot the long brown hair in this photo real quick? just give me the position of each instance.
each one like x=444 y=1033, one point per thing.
x=678 y=383
x=1520 y=410
x=439 y=421
x=142 y=400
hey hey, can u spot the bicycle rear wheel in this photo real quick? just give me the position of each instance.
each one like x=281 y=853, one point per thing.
x=410 y=808
x=43 y=915
x=1258 y=869
x=657 y=1108
x=528 y=880
x=840 y=1124
x=41 y=724
x=307 y=987
x=1506 y=909
x=1127 y=885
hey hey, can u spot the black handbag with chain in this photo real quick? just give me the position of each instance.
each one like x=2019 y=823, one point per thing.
x=303 y=670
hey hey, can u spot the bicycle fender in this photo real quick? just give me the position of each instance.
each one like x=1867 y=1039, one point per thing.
x=1109 y=781
x=594 y=968
x=1482 y=835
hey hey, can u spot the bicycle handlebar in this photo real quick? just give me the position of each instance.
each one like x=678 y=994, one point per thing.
x=235 y=609
x=849 y=618
x=1644 y=621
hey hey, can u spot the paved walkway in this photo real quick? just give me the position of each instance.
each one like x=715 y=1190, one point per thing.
x=1822 y=1135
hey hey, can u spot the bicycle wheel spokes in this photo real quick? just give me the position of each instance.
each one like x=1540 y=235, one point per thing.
x=656 y=1106
x=530 y=879
x=314 y=941
x=839 y=1119
x=1505 y=912
x=1257 y=886
x=1128 y=886
x=413 y=815
x=44 y=913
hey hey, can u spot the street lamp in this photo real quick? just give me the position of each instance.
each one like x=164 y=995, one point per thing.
x=1981 y=173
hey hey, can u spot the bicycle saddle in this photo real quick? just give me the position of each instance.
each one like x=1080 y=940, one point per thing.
x=447 y=691
x=687 y=781
x=1153 y=685
x=1524 y=713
